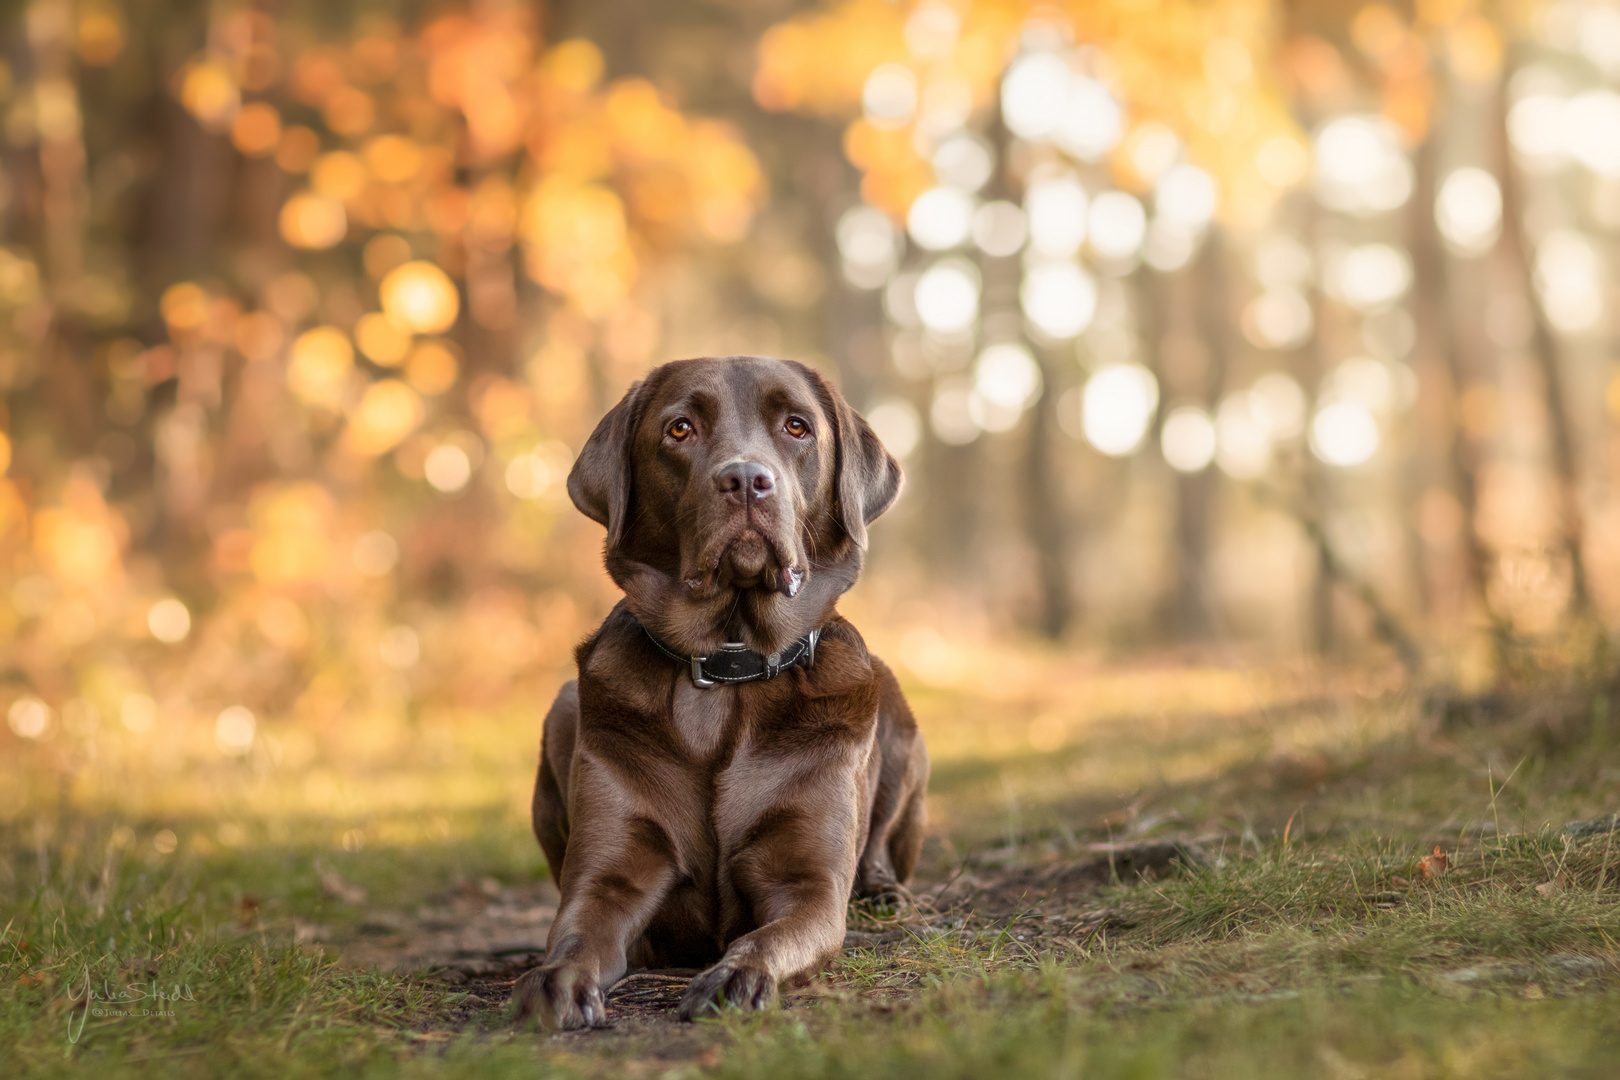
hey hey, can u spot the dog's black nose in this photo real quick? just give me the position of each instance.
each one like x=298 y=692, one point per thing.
x=744 y=480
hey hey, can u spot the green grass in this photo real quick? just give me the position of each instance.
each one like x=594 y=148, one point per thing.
x=1310 y=944
x=1045 y=1024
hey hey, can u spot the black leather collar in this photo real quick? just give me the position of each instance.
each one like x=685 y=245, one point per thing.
x=734 y=662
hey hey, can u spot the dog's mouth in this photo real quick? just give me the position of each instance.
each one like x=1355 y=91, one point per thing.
x=748 y=560
x=748 y=557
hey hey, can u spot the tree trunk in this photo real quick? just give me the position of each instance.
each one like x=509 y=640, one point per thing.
x=1044 y=505
x=1545 y=347
x=1194 y=372
x=1437 y=337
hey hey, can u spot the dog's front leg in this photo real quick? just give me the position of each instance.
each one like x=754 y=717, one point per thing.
x=618 y=868
x=797 y=880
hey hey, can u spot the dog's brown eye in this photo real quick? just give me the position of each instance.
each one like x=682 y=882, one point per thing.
x=796 y=427
x=680 y=429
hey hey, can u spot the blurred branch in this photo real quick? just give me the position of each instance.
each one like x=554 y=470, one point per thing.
x=1386 y=626
x=1317 y=361
x=1545 y=347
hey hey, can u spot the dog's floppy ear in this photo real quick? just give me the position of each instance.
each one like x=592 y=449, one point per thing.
x=599 y=482
x=866 y=480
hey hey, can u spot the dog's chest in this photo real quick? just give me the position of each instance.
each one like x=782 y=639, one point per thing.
x=703 y=717
x=717 y=728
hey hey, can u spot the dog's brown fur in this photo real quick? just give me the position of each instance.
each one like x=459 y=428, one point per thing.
x=723 y=827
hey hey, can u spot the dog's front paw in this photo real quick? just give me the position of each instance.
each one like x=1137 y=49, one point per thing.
x=728 y=986
x=562 y=997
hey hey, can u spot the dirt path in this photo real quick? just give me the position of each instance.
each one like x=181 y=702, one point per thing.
x=482 y=936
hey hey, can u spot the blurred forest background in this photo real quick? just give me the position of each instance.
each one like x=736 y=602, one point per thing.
x=1278 y=327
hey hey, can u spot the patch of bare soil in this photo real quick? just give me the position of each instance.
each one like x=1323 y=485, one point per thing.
x=482 y=936
x=1067 y=883
x=482 y=930
x=1055 y=902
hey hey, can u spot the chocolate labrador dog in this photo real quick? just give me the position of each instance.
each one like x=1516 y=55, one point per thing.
x=731 y=764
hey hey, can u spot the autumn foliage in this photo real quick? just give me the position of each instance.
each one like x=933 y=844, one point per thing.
x=299 y=334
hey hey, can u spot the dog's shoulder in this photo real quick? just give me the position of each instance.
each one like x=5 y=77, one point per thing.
x=828 y=706
x=614 y=628
x=843 y=665
x=619 y=663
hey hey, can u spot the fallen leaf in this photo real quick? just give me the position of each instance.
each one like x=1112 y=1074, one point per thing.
x=307 y=933
x=479 y=892
x=336 y=886
x=1555 y=886
x=1432 y=866
x=247 y=910
x=39 y=978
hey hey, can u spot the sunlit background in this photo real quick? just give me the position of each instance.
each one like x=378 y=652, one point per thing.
x=1222 y=328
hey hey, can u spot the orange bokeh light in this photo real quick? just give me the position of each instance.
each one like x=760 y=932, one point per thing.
x=313 y=221
x=388 y=411
x=575 y=66
x=321 y=366
x=298 y=149
x=292 y=533
x=257 y=130
x=184 y=306
x=210 y=94
x=382 y=340
x=350 y=111
x=100 y=33
x=432 y=368
x=393 y=159
x=420 y=296
x=338 y=175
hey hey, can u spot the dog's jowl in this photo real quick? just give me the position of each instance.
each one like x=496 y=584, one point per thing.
x=731 y=764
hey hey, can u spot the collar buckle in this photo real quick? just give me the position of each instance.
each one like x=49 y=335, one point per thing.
x=698 y=678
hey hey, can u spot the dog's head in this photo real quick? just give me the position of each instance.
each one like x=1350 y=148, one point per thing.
x=736 y=494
